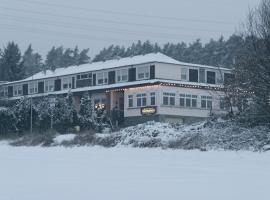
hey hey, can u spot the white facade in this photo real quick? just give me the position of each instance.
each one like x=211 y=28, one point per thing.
x=174 y=109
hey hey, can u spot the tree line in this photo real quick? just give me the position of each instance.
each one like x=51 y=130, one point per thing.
x=15 y=66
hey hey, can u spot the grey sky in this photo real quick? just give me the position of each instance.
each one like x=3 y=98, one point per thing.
x=99 y=23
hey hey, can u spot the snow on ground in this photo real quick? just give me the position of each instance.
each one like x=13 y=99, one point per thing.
x=31 y=173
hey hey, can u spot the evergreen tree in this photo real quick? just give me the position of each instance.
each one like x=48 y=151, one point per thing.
x=31 y=62
x=83 y=57
x=10 y=68
x=86 y=115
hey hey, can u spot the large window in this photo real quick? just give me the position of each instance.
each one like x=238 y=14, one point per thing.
x=193 y=75
x=49 y=85
x=168 y=99
x=130 y=101
x=17 y=90
x=122 y=75
x=33 y=88
x=206 y=102
x=152 y=98
x=141 y=100
x=102 y=78
x=67 y=83
x=184 y=74
x=143 y=72
x=4 y=91
x=211 y=77
x=188 y=100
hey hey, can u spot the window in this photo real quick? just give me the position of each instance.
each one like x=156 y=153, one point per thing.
x=188 y=100
x=206 y=102
x=152 y=98
x=4 y=91
x=130 y=101
x=182 y=100
x=193 y=75
x=49 y=85
x=102 y=78
x=17 y=90
x=194 y=101
x=184 y=74
x=168 y=99
x=141 y=100
x=211 y=77
x=33 y=88
x=224 y=103
x=122 y=75
x=67 y=83
x=143 y=72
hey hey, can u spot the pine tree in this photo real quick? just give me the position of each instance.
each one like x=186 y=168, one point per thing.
x=83 y=57
x=86 y=113
x=11 y=70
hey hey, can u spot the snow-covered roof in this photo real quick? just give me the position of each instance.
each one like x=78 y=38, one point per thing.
x=129 y=61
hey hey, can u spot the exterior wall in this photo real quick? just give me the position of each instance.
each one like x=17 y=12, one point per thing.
x=167 y=71
x=175 y=110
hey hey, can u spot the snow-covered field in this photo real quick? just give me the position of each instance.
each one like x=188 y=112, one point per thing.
x=35 y=173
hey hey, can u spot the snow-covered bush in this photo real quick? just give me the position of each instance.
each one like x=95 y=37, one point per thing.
x=7 y=120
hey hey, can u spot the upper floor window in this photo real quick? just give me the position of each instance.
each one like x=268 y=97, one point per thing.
x=193 y=75
x=168 y=98
x=67 y=83
x=4 y=91
x=206 y=102
x=211 y=77
x=141 y=100
x=49 y=85
x=122 y=75
x=143 y=72
x=33 y=88
x=184 y=74
x=102 y=78
x=17 y=90
x=84 y=76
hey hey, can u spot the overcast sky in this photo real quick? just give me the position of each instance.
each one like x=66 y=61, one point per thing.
x=95 y=24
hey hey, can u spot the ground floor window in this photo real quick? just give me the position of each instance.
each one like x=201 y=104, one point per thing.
x=130 y=101
x=169 y=99
x=141 y=100
x=152 y=98
x=206 y=102
x=188 y=100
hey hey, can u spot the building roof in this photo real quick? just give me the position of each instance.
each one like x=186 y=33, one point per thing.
x=129 y=61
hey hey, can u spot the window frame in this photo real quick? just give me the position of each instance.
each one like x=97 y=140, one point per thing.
x=35 y=87
x=50 y=85
x=152 y=98
x=207 y=100
x=186 y=73
x=120 y=73
x=102 y=76
x=170 y=96
x=16 y=89
x=141 y=98
x=145 y=72
x=67 y=81
x=130 y=101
